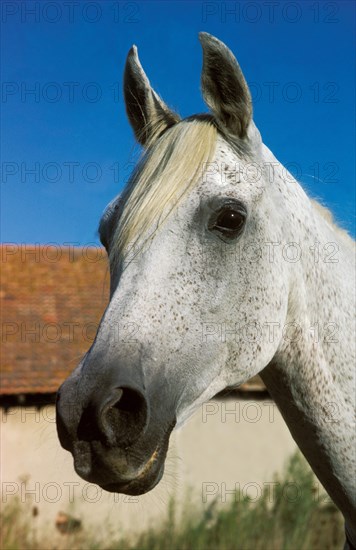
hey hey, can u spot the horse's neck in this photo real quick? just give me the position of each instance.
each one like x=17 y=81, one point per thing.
x=312 y=376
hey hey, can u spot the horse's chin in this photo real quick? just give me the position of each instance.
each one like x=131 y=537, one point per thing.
x=121 y=470
x=137 y=486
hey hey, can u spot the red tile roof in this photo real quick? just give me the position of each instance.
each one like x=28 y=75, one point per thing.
x=52 y=299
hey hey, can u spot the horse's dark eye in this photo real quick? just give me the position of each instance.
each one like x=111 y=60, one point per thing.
x=229 y=221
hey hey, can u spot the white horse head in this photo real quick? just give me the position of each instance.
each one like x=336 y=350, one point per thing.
x=211 y=272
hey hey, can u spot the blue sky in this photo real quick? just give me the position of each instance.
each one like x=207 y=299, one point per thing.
x=72 y=132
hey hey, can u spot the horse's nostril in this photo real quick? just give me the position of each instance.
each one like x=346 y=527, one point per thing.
x=122 y=416
x=117 y=419
x=115 y=400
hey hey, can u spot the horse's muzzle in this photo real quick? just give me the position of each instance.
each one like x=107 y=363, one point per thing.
x=111 y=438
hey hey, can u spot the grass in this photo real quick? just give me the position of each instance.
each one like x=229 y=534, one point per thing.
x=291 y=517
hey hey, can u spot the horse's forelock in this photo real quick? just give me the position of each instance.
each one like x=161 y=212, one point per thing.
x=169 y=170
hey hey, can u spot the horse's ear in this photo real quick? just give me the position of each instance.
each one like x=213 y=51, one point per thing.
x=149 y=116
x=224 y=87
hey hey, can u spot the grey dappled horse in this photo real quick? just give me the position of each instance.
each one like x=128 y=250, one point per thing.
x=221 y=268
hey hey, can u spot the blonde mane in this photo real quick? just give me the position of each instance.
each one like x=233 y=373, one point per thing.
x=168 y=171
x=329 y=218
